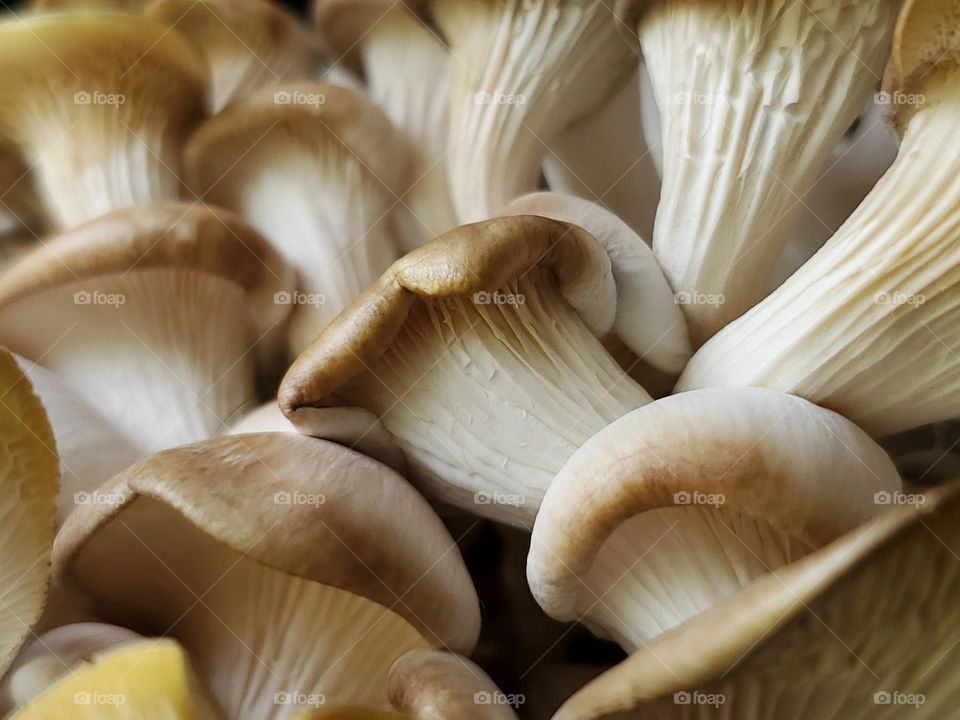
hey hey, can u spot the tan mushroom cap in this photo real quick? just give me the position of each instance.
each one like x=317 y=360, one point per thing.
x=28 y=490
x=481 y=257
x=148 y=680
x=367 y=507
x=803 y=470
x=831 y=636
x=247 y=43
x=926 y=48
x=161 y=235
x=436 y=685
x=301 y=109
x=345 y=24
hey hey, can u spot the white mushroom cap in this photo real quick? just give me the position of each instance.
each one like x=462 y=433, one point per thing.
x=680 y=503
x=752 y=101
x=478 y=339
x=147 y=680
x=437 y=685
x=310 y=580
x=316 y=169
x=865 y=627
x=869 y=325
x=648 y=320
x=48 y=657
x=152 y=314
x=98 y=105
x=246 y=43
x=28 y=490
x=522 y=72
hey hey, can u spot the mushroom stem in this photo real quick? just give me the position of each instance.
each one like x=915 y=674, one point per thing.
x=753 y=96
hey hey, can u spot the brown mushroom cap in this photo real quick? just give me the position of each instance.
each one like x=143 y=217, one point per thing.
x=480 y=257
x=345 y=24
x=367 y=508
x=830 y=636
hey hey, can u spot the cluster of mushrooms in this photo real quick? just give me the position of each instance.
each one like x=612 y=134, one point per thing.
x=480 y=360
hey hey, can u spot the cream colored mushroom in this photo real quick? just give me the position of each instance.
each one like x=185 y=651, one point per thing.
x=315 y=168
x=437 y=685
x=98 y=105
x=753 y=97
x=147 y=680
x=28 y=491
x=679 y=504
x=648 y=320
x=153 y=315
x=285 y=565
x=407 y=71
x=246 y=43
x=478 y=352
x=869 y=325
x=523 y=71
x=845 y=632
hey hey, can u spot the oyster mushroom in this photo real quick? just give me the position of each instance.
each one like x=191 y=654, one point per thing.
x=48 y=657
x=753 y=97
x=522 y=73
x=314 y=168
x=152 y=314
x=679 y=504
x=868 y=326
x=297 y=583
x=648 y=319
x=803 y=641
x=28 y=491
x=437 y=685
x=478 y=353
x=246 y=43
x=147 y=680
x=370 y=37
x=98 y=105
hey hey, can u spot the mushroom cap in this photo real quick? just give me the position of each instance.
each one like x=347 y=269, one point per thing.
x=344 y=24
x=648 y=320
x=342 y=113
x=826 y=634
x=46 y=58
x=925 y=52
x=28 y=491
x=247 y=43
x=160 y=235
x=148 y=680
x=717 y=441
x=348 y=713
x=436 y=685
x=481 y=257
x=367 y=508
